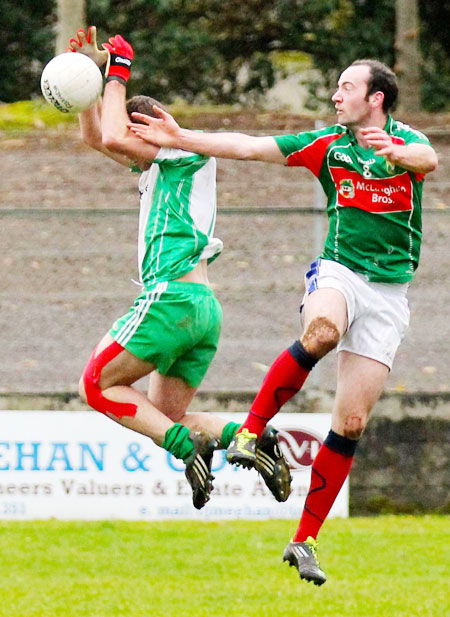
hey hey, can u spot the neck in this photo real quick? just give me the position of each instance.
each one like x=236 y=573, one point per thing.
x=379 y=122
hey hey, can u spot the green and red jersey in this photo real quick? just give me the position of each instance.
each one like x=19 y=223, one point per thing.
x=374 y=208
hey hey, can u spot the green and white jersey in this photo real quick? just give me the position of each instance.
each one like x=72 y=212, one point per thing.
x=374 y=208
x=177 y=215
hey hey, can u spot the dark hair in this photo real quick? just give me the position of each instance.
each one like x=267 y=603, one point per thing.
x=382 y=79
x=144 y=105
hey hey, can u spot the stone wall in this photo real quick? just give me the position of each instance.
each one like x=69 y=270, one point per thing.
x=403 y=461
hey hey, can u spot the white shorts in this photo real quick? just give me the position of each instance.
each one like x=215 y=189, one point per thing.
x=377 y=313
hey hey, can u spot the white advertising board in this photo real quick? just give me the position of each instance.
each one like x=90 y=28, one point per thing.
x=82 y=465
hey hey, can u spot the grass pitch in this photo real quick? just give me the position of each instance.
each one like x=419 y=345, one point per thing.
x=378 y=567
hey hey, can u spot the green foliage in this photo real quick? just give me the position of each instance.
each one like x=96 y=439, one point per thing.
x=222 y=51
x=337 y=32
x=435 y=41
x=232 y=568
x=26 y=41
x=198 y=49
x=341 y=31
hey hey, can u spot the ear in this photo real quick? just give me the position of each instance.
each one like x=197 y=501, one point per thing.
x=377 y=99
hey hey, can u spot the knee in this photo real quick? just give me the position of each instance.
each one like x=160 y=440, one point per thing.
x=321 y=336
x=88 y=386
x=354 y=426
x=175 y=415
x=92 y=393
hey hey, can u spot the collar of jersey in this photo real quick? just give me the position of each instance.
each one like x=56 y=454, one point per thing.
x=388 y=127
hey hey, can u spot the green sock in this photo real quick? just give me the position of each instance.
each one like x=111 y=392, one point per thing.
x=229 y=431
x=177 y=442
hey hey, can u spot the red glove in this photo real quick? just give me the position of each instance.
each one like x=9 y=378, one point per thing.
x=121 y=56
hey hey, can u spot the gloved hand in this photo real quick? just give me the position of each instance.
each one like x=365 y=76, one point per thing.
x=87 y=44
x=121 y=55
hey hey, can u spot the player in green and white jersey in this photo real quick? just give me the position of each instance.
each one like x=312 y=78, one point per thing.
x=173 y=329
x=372 y=170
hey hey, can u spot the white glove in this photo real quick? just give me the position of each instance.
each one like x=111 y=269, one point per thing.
x=87 y=44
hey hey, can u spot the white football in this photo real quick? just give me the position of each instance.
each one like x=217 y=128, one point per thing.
x=71 y=82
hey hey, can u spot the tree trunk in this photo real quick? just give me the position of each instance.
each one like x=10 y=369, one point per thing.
x=70 y=18
x=408 y=54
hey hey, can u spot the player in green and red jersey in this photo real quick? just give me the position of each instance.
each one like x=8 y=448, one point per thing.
x=374 y=206
x=372 y=170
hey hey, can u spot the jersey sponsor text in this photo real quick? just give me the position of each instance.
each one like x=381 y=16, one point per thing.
x=377 y=195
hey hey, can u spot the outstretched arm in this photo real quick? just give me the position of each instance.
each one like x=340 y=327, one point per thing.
x=165 y=132
x=418 y=158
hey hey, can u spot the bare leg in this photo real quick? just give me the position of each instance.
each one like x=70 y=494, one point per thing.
x=107 y=386
x=172 y=396
x=360 y=383
x=167 y=402
x=115 y=383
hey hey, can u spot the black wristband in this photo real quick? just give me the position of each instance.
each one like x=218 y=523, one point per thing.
x=116 y=78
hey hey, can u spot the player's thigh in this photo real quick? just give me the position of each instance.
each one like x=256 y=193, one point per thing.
x=171 y=395
x=328 y=303
x=123 y=369
x=360 y=382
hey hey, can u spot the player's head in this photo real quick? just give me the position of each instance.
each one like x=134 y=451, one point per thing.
x=143 y=105
x=381 y=79
x=365 y=93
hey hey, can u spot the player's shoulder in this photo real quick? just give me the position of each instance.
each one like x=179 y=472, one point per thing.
x=338 y=129
x=327 y=133
x=177 y=157
x=329 y=130
x=407 y=132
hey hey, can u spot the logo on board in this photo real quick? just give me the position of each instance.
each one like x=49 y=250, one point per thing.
x=299 y=447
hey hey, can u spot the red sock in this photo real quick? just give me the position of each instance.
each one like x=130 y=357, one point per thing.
x=285 y=378
x=328 y=474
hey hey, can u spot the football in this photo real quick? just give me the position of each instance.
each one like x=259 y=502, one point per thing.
x=71 y=82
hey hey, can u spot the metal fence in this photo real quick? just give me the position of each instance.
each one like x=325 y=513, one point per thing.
x=68 y=229
x=66 y=275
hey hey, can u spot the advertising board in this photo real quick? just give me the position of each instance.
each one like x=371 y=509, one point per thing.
x=82 y=465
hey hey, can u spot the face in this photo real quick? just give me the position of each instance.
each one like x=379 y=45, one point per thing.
x=350 y=99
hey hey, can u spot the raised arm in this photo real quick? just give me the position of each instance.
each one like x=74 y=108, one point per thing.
x=116 y=136
x=416 y=157
x=90 y=119
x=104 y=125
x=165 y=132
x=91 y=133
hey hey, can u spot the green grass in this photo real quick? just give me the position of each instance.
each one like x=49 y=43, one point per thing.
x=378 y=567
x=25 y=116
